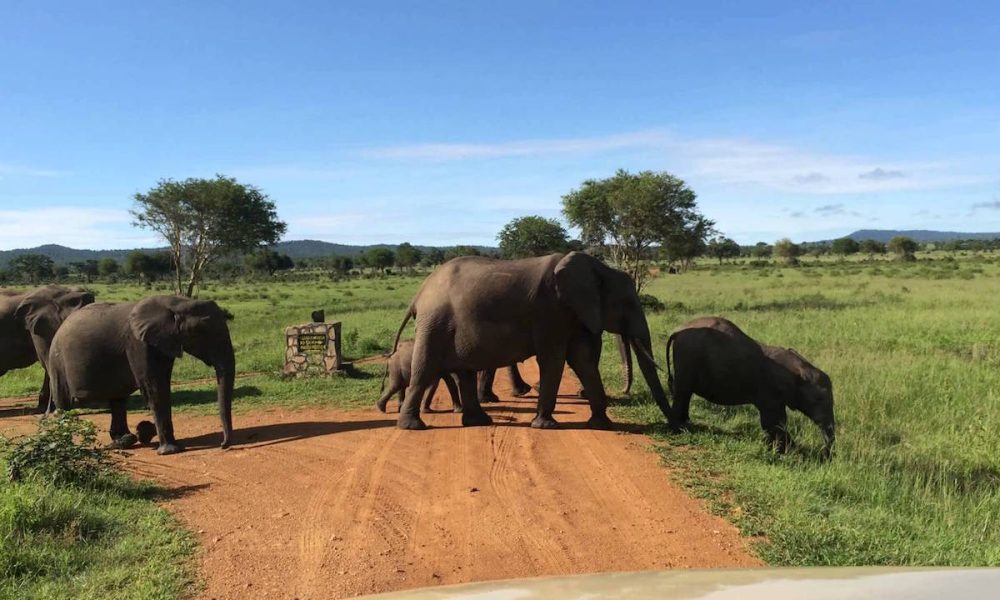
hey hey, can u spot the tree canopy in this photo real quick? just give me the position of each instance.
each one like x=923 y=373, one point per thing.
x=722 y=248
x=408 y=256
x=871 y=247
x=268 y=261
x=845 y=246
x=532 y=236
x=903 y=246
x=203 y=219
x=786 y=249
x=627 y=214
x=32 y=267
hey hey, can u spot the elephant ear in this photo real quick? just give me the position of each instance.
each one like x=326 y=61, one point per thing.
x=156 y=324
x=578 y=285
x=38 y=315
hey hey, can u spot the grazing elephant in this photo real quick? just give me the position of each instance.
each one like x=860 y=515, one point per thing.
x=28 y=321
x=474 y=314
x=397 y=369
x=107 y=351
x=716 y=360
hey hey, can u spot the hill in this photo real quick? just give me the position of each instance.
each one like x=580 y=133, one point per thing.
x=296 y=249
x=919 y=235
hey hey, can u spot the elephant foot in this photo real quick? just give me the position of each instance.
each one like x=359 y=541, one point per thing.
x=381 y=405
x=123 y=441
x=476 y=419
x=410 y=422
x=173 y=448
x=679 y=426
x=490 y=398
x=600 y=422
x=545 y=423
x=520 y=392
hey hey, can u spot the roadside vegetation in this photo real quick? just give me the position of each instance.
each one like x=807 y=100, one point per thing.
x=73 y=525
x=910 y=346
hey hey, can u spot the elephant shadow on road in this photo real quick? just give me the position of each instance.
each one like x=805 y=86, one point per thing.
x=257 y=436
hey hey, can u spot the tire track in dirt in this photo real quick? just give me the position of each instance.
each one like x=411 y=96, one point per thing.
x=321 y=503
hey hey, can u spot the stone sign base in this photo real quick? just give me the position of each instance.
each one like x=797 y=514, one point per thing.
x=313 y=349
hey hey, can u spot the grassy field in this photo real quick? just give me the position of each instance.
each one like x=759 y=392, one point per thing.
x=911 y=348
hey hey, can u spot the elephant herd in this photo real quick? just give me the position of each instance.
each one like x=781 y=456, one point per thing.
x=473 y=315
x=104 y=352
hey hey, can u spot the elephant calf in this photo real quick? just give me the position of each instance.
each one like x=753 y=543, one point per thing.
x=716 y=360
x=397 y=369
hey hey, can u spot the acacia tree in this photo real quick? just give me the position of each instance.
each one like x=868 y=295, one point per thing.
x=787 y=249
x=624 y=216
x=33 y=267
x=872 y=247
x=203 y=219
x=407 y=256
x=723 y=247
x=845 y=246
x=532 y=236
x=903 y=246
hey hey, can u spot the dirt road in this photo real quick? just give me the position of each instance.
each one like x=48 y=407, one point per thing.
x=331 y=504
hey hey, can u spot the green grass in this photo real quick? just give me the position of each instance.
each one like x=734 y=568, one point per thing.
x=911 y=348
x=109 y=541
x=915 y=361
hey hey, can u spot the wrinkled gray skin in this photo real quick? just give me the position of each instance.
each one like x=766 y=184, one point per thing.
x=474 y=314
x=28 y=322
x=713 y=358
x=521 y=388
x=397 y=370
x=104 y=352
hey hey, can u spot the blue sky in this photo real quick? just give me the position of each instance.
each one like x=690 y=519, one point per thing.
x=437 y=123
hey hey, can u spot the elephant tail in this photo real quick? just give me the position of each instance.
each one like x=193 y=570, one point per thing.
x=670 y=374
x=410 y=313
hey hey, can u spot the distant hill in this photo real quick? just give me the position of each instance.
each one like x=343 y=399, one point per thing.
x=296 y=249
x=919 y=235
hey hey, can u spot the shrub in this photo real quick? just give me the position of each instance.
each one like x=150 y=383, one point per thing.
x=63 y=451
x=651 y=303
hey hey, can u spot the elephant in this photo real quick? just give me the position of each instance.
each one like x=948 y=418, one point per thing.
x=521 y=388
x=104 y=352
x=397 y=369
x=475 y=313
x=716 y=360
x=28 y=321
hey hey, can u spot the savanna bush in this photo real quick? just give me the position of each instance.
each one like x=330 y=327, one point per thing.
x=63 y=451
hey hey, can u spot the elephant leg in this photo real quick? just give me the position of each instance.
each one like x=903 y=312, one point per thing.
x=472 y=412
x=121 y=437
x=44 y=397
x=383 y=401
x=582 y=392
x=773 y=421
x=456 y=401
x=682 y=404
x=517 y=383
x=429 y=396
x=157 y=393
x=550 y=370
x=423 y=373
x=485 y=390
x=581 y=358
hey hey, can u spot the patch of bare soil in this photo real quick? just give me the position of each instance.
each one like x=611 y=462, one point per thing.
x=332 y=504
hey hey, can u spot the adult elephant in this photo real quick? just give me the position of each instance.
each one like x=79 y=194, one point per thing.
x=520 y=387
x=475 y=313
x=107 y=351
x=28 y=321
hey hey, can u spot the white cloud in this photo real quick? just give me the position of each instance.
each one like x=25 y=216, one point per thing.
x=525 y=148
x=11 y=169
x=727 y=161
x=70 y=226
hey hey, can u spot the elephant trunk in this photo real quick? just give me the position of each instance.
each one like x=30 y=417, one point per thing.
x=225 y=376
x=625 y=351
x=829 y=437
x=647 y=364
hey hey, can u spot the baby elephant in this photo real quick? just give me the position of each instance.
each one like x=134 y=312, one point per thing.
x=716 y=360
x=397 y=369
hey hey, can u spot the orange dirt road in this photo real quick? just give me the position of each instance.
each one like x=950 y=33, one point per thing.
x=331 y=504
